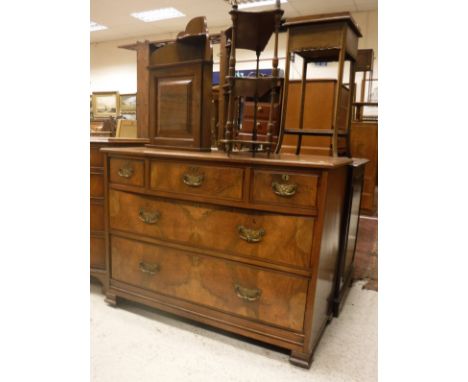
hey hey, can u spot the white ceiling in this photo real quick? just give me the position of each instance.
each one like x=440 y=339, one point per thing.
x=115 y=14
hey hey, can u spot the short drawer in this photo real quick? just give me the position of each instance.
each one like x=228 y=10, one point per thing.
x=263 y=110
x=270 y=237
x=267 y=296
x=127 y=171
x=248 y=124
x=96 y=185
x=284 y=189
x=209 y=181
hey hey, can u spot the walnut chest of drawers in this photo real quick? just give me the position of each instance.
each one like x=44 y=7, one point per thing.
x=248 y=245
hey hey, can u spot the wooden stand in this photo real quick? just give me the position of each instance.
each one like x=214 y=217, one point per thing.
x=251 y=31
x=322 y=38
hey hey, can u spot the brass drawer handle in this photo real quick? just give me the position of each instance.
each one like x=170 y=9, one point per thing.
x=148 y=268
x=126 y=171
x=247 y=294
x=193 y=178
x=284 y=189
x=250 y=235
x=148 y=217
x=259 y=108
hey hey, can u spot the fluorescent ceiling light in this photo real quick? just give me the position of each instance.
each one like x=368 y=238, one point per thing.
x=259 y=3
x=97 y=27
x=158 y=14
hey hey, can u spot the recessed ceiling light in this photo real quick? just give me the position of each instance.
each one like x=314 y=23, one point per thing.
x=158 y=14
x=97 y=27
x=259 y=3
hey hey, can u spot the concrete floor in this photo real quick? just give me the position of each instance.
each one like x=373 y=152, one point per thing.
x=133 y=343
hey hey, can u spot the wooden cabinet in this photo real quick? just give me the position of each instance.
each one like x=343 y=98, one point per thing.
x=364 y=142
x=96 y=193
x=245 y=244
x=318 y=115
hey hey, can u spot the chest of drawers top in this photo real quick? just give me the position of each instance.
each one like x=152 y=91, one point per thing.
x=275 y=160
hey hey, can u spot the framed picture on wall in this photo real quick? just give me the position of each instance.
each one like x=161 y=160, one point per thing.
x=128 y=103
x=105 y=104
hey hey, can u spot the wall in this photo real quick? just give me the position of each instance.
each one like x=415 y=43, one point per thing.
x=115 y=69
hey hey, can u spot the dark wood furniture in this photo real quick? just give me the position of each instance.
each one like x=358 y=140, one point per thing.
x=349 y=232
x=318 y=116
x=321 y=38
x=174 y=89
x=97 y=241
x=364 y=144
x=246 y=244
x=251 y=31
x=258 y=114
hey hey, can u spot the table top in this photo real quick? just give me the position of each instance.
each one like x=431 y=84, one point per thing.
x=290 y=160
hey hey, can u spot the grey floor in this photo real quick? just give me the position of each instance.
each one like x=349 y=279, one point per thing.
x=132 y=343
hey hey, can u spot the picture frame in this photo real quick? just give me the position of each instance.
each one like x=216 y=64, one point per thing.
x=126 y=128
x=127 y=103
x=105 y=104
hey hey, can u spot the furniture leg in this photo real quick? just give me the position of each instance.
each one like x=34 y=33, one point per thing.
x=111 y=299
x=300 y=359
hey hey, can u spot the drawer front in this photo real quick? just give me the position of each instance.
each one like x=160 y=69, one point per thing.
x=248 y=124
x=97 y=186
x=127 y=171
x=251 y=292
x=285 y=189
x=263 y=110
x=97 y=217
x=98 y=252
x=266 y=236
x=209 y=181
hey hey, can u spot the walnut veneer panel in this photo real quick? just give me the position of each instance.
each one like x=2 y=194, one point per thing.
x=127 y=171
x=285 y=188
x=181 y=178
x=282 y=239
x=267 y=296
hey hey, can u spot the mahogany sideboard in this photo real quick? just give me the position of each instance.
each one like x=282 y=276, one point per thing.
x=97 y=243
x=245 y=244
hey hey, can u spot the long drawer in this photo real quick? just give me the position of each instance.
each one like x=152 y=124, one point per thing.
x=278 y=238
x=255 y=293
